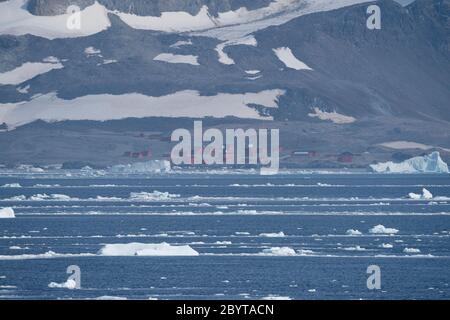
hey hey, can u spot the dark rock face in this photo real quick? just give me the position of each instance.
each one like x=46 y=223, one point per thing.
x=146 y=7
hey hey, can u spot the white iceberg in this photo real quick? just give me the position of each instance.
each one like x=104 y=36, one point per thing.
x=426 y=195
x=380 y=229
x=424 y=164
x=146 y=249
x=7 y=213
x=352 y=232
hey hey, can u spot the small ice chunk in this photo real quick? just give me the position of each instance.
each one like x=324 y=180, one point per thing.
x=273 y=235
x=353 y=232
x=411 y=250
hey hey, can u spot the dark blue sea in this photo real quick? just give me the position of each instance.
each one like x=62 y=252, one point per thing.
x=289 y=236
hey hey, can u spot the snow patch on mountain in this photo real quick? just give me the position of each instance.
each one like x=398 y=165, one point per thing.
x=331 y=116
x=91 y=51
x=177 y=58
x=275 y=16
x=16 y=20
x=286 y=56
x=431 y=163
x=245 y=41
x=405 y=145
x=28 y=71
x=188 y=103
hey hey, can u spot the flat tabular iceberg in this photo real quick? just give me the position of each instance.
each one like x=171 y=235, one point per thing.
x=425 y=164
x=7 y=213
x=146 y=249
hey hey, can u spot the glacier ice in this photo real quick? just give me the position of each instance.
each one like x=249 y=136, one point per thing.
x=431 y=163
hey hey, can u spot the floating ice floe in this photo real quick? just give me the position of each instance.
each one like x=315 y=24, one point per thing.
x=274 y=297
x=153 y=166
x=273 y=235
x=146 y=249
x=352 y=232
x=355 y=248
x=279 y=251
x=110 y=298
x=411 y=250
x=380 y=229
x=11 y=185
x=431 y=163
x=69 y=284
x=426 y=195
x=152 y=196
x=7 y=213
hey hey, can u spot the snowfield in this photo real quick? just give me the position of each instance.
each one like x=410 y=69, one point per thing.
x=16 y=20
x=146 y=249
x=28 y=71
x=431 y=163
x=290 y=61
x=245 y=41
x=331 y=116
x=188 y=103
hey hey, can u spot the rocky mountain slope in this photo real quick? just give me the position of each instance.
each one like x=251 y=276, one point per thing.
x=294 y=62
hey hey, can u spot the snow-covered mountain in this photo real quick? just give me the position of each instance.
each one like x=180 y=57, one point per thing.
x=294 y=60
